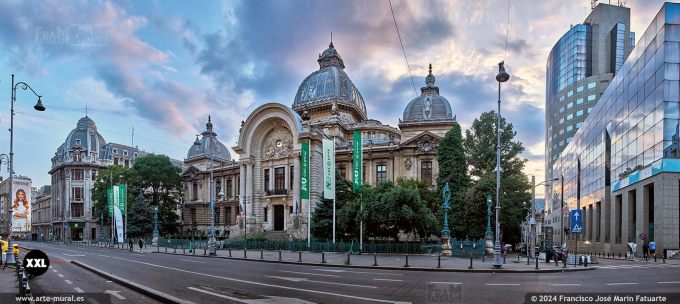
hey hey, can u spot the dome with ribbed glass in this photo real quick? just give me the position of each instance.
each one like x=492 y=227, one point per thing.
x=208 y=146
x=329 y=85
x=429 y=106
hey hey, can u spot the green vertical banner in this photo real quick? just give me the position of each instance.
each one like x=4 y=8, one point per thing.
x=109 y=201
x=328 y=168
x=357 y=162
x=122 y=202
x=304 y=168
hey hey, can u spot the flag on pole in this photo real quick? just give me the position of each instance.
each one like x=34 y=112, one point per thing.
x=357 y=162
x=241 y=204
x=109 y=201
x=328 y=169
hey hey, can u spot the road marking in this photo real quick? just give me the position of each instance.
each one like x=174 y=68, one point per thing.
x=612 y=284
x=103 y=255
x=262 y=284
x=109 y=281
x=565 y=284
x=253 y=301
x=362 y=272
x=78 y=290
x=115 y=294
x=307 y=273
x=675 y=282
x=68 y=282
x=322 y=282
x=60 y=275
x=445 y=283
x=500 y=284
x=192 y=261
x=389 y=280
x=73 y=255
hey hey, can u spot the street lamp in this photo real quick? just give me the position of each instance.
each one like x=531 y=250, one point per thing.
x=212 y=242
x=38 y=107
x=501 y=77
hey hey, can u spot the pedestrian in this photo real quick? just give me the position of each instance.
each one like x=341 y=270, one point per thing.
x=652 y=249
x=130 y=245
x=645 y=250
x=141 y=245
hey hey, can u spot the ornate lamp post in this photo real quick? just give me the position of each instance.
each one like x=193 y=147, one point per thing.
x=155 y=225
x=446 y=234
x=501 y=77
x=38 y=107
x=488 y=235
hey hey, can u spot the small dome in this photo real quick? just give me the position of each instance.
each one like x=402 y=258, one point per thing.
x=329 y=84
x=85 y=135
x=429 y=105
x=208 y=145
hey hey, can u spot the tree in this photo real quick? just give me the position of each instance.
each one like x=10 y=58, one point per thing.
x=113 y=174
x=139 y=214
x=453 y=170
x=157 y=173
x=322 y=218
x=480 y=152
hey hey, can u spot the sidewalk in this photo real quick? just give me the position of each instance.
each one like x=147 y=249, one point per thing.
x=8 y=280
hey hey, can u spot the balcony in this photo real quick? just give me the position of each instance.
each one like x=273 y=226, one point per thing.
x=277 y=192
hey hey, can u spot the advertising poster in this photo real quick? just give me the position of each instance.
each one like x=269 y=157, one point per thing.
x=21 y=205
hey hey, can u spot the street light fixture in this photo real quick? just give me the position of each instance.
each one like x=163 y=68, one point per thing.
x=502 y=76
x=212 y=242
x=38 y=107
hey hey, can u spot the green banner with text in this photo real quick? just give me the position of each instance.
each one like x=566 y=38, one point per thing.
x=109 y=201
x=357 y=162
x=304 y=167
x=122 y=202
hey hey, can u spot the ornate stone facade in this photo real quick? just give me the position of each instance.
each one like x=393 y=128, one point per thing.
x=266 y=179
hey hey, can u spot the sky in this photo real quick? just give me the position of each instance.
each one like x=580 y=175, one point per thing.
x=161 y=67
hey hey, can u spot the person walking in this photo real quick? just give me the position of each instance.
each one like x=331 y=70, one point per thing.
x=130 y=245
x=141 y=245
x=645 y=250
x=652 y=249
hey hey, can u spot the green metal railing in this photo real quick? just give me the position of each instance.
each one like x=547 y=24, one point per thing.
x=466 y=248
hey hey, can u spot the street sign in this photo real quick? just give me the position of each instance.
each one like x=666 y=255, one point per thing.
x=643 y=236
x=576 y=221
x=565 y=211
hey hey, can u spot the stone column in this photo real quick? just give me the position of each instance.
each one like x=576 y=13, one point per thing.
x=626 y=221
x=641 y=215
x=242 y=184
x=249 y=188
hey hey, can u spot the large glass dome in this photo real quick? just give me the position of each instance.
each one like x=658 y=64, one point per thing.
x=429 y=106
x=208 y=146
x=328 y=85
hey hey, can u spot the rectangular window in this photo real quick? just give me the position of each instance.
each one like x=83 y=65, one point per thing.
x=115 y=160
x=568 y=139
x=193 y=215
x=227 y=215
x=591 y=97
x=562 y=98
x=570 y=93
x=592 y=85
x=579 y=89
x=570 y=116
x=280 y=178
x=291 y=178
x=229 y=188
x=218 y=186
x=561 y=143
x=578 y=125
x=77 y=193
x=570 y=127
x=266 y=214
x=380 y=173
x=589 y=109
x=562 y=120
x=426 y=172
x=194 y=191
x=570 y=105
x=125 y=152
x=579 y=113
x=579 y=101
x=217 y=215
x=78 y=174
x=266 y=179
x=93 y=174
x=561 y=131
x=77 y=210
x=561 y=109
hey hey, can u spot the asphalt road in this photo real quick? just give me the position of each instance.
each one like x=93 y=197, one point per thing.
x=211 y=280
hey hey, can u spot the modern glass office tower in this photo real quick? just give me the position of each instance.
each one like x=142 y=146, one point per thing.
x=579 y=68
x=622 y=167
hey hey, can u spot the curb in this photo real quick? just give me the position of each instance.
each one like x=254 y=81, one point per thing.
x=154 y=294
x=393 y=268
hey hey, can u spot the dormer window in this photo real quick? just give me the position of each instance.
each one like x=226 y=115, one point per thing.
x=125 y=152
x=78 y=142
x=115 y=151
x=135 y=154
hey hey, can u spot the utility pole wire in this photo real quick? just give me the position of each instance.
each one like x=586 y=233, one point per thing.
x=404 y=50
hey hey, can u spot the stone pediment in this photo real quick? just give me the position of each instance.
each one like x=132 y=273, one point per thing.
x=191 y=171
x=426 y=141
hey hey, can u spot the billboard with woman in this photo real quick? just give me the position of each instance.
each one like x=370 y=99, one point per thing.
x=21 y=206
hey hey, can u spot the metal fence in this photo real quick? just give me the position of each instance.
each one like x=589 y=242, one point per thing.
x=466 y=248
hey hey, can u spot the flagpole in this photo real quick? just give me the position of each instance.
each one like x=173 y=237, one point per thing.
x=333 y=220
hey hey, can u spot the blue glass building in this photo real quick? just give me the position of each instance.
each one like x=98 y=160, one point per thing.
x=622 y=167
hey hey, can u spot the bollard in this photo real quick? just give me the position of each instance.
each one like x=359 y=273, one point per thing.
x=184 y=249
x=204 y=250
x=527 y=259
x=323 y=257
x=375 y=259
x=279 y=255
x=504 y=259
x=166 y=249
x=470 y=263
x=348 y=261
x=654 y=257
x=564 y=261
x=174 y=249
x=555 y=260
x=157 y=248
x=484 y=258
x=439 y=261
x=585 y=261
x=245 y=255
x=261 y=254
x=300 y=257
x=519 y=255
x=406 y=264
x=619 y=255
x=536 y=263
x=229 y=251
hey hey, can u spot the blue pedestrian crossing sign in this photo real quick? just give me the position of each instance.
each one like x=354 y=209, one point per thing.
x=576 y=221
